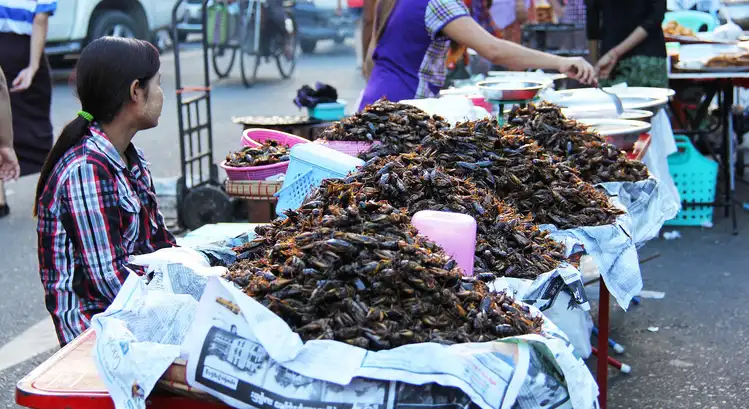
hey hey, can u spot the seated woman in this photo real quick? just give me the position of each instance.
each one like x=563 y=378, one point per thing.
x=95 y=200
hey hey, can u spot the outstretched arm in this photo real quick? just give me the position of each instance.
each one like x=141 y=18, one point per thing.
x=467 y=32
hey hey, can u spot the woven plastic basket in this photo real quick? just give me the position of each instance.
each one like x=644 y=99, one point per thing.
x=347 y=147
x=293 y=195
x=695 y=177
x=255 y=137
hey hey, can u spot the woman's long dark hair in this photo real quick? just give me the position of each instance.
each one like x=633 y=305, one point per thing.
x=103 y=75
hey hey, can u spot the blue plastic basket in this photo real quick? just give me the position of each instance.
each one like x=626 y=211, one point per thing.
x=293 y=195
x=695 y=177
x=330 y=111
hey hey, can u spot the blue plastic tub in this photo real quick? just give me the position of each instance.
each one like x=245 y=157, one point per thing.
x=695 y=177
x=331 y=111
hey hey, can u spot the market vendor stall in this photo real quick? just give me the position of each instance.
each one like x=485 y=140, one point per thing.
x=345 y=272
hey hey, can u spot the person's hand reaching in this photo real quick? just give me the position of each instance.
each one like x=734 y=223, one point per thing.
x=578 y=69
x=9 y=168
x=606 y=65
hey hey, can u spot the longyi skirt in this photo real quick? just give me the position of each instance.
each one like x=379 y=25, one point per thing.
x=32 y=126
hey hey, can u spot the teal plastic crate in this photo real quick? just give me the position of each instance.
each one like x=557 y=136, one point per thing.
x=695 y=177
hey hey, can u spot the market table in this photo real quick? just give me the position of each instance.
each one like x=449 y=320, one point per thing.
x=69 y=380
x=721 y=84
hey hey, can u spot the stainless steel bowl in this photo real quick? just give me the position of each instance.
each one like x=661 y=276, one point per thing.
x=622 y=133
x=503 y=90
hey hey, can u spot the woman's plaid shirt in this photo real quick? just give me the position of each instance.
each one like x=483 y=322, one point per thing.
x=95 y=211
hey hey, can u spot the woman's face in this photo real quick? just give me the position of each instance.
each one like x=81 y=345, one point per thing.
x=154 y=102
x=148 y=102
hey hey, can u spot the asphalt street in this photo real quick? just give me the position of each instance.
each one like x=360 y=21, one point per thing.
x=695 y=359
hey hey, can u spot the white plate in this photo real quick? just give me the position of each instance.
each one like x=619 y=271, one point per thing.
x=616 y=127
x=642 y=91
x=591 y=96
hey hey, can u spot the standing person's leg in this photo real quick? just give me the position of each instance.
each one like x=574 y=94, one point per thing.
x=32 y=127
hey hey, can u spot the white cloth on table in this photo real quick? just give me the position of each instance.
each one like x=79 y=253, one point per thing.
x=662 y=144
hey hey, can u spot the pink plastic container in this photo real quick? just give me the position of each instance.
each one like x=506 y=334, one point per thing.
x=260 y=135
x=454 y=232
x=348 y=147
x=255 y=137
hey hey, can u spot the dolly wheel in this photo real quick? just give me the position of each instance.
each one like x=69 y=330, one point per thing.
x=205 y=205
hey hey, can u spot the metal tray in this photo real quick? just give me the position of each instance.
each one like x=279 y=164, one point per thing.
x=703 y=68
x=616 y=127
x=620 y=132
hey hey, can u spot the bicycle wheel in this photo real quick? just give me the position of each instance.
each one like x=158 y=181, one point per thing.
x=288 y=52
x=223 y=60
x=249 y=68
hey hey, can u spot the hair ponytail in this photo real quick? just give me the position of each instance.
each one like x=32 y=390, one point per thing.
x=73 y=132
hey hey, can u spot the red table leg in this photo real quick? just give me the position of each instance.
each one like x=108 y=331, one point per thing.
x=603 y=345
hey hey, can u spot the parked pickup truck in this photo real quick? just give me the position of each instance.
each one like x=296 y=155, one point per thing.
x=77 y=22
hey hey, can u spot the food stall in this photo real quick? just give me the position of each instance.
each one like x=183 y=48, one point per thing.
x=340 y=300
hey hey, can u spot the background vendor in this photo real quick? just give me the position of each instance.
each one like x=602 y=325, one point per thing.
x=632 y=46
x=95 y=200
x=411 y=46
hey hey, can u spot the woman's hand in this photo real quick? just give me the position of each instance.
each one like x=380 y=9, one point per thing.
x=579 y=69
x=9 y=168
x=606 y=65
x=24 y=79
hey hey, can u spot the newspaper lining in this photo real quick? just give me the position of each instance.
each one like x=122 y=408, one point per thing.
x=242 y=353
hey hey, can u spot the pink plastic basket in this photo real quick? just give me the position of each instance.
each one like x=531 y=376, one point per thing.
x=255 y=137
x=348 y=147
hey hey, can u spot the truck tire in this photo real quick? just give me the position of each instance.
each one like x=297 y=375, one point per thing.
x=115 y=23
x=308 y=46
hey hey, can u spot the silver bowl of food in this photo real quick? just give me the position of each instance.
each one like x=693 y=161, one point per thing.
x=509 y=90
x=623 y=133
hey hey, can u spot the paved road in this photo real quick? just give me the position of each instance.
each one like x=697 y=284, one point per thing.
x=694 y=360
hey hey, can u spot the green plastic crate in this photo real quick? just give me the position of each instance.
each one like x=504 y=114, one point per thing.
x=695 y=177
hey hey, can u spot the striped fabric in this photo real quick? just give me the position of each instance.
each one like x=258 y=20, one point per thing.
x=17 y=16
x=94 y=212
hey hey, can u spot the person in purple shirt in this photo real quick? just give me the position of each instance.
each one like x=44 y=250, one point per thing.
x=409 y=59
